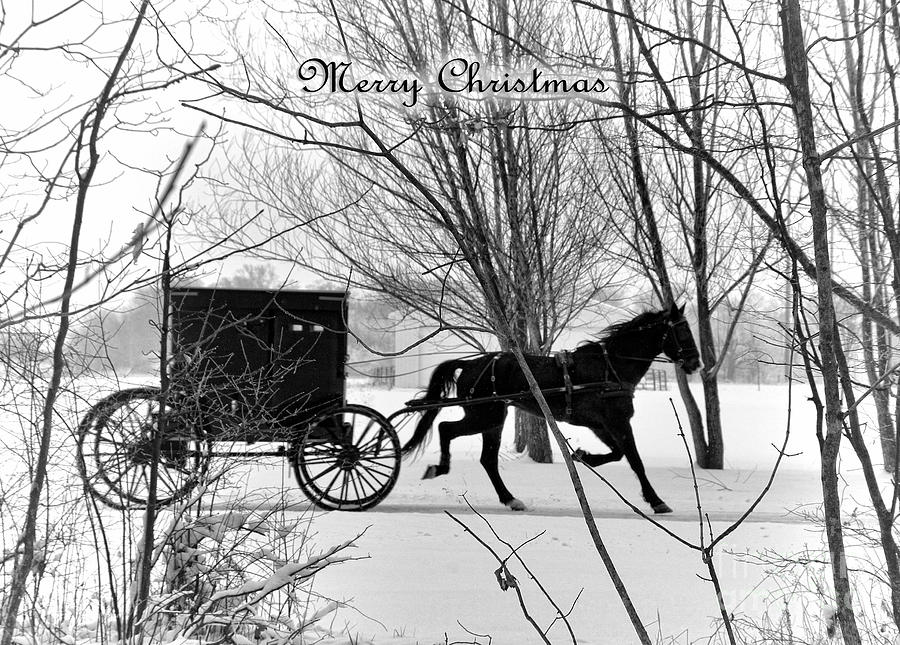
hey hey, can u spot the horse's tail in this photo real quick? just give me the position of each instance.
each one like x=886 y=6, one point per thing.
x=442 y=381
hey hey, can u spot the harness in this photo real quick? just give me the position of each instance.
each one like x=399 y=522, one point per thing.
x=612 y=370
x=492 y=364
x=564 y=359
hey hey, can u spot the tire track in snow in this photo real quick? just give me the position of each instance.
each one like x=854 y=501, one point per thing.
x=618 y=514
x=759 y=517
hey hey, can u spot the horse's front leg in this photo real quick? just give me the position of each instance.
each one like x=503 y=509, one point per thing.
x=595 y=459
x=629 y=448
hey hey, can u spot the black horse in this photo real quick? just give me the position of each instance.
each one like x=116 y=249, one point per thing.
x=619 y=359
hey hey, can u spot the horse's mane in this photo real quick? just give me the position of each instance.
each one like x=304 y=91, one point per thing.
x=619 y=329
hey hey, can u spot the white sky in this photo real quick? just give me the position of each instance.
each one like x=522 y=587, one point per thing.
x=39 y=85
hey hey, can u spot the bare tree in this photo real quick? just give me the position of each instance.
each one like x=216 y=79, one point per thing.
x=60 y=154
x=475 y=251
x=689 y=194
x=767 y=94
x=765 y=184
x=713 y=226
x=875 y=242
x=510 y=178
x=86 y=159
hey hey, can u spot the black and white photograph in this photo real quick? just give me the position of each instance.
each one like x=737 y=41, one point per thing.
x=449 y=322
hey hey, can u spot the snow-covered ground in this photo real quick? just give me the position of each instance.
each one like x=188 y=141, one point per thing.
x=427 y=578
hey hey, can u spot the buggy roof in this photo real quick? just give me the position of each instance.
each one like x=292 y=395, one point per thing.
x=199 y=299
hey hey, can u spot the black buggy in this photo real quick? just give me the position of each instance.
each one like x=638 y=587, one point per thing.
x=249 y=367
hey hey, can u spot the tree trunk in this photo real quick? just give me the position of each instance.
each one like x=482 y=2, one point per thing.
x=714 y=459
x=657 y=261
x=532 y=431
x=88 y=135
x=874 y=345
x=797 y=80
x=715 y=447
x=714 y=456
x=695 y=419
x=521 y=439
x=880 y=359
x=882 y=397
x=24 y=561
x=884 y=514
x=870 y=199
x=788 y=355
x=144 y=564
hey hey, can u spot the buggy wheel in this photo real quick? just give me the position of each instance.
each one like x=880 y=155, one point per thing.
x=115 y=451
x=348 y=459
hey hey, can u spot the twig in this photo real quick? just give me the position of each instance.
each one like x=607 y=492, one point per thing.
x=637 y=511
x=706 y=551
x=515 y=552
x=134 y=245
x=871 y=389
x=693 y=472
x=781 y=453
x=714 y=578
x=505 y=579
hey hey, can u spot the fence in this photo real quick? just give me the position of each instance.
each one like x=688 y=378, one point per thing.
x=655 y=379
x=383 y=376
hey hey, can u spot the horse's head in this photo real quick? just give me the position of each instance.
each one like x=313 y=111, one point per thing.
x=678 y=342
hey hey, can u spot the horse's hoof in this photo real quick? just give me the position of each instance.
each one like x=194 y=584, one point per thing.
x=516 y=505
x=430 y=472
x=662 y=507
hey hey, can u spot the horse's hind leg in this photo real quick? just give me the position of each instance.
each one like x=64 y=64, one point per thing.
x=447 y=432
x=490 y=451
x=487 y=419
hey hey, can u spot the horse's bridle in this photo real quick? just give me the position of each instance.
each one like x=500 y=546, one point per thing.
x=680 y=333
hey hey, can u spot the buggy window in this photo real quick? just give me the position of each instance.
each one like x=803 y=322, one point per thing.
x=301 y=328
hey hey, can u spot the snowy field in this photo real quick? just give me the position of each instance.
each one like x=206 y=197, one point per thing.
x=423 y=579
x=427 y=579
